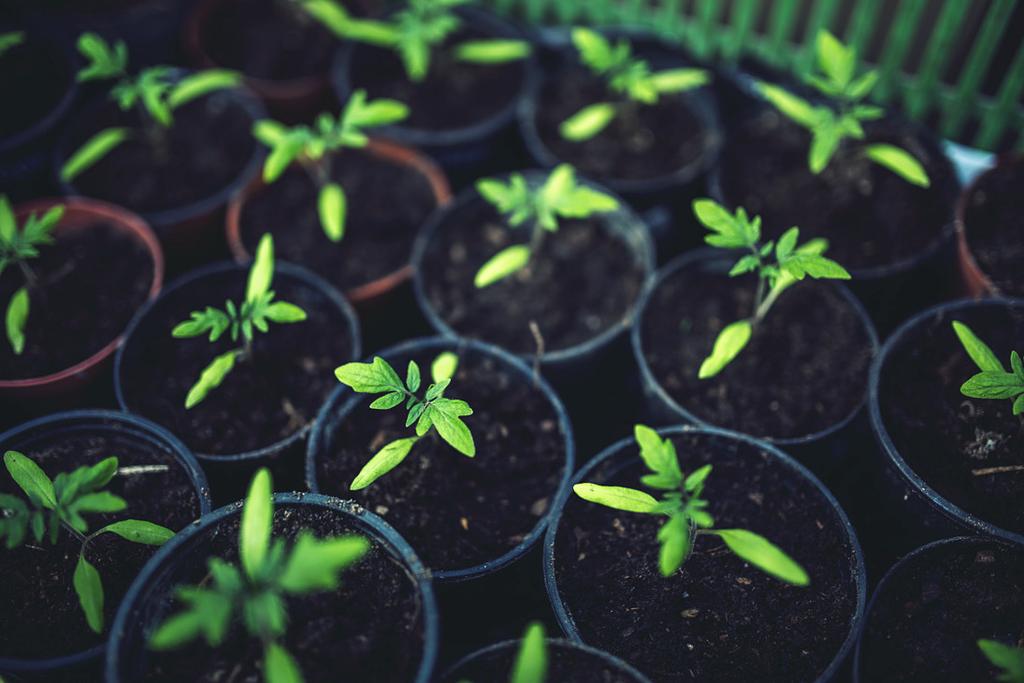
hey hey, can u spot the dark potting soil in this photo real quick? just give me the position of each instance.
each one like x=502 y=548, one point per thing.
x=994 y=223
x=584 y=279
x=387 y=202
x=264 y=399
x=369 y=630
x=870 y=215
x=717 y=619
x=455 y=511
x=90 y=283
x=39 y=75
x=924 y=627
x=957 y=444
x=37 y=593
x=566 y=664
x=804 y=370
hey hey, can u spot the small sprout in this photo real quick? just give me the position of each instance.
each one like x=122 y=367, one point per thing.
x=627 y=77
x=255 y=595
x=310 y=145
x=241 y=320
x=58 y=504
x=531 y=665
x=1007 y=658
x=774 y=275
x=559 y=197
x=994 y=381
x=444 y=367
x=687 y=513
x=829 y=127
x=10 y=40
x=433 y=410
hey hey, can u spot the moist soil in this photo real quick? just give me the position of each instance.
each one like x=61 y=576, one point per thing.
x=566 y=664
x=583 y=280
x=871 y=216
x=925 y=625
x=39 y=75
x=89 y=283
x=951 y=441
x=457 y=512
x=994 y=224
x=369 y=630
x=265 y=398
x=37 y=592
x=717 y=619
x=804 y=370
x=387 y=202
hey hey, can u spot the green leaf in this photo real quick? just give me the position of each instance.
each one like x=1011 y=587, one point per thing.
x=617 y=497
x=444 y=366
x=211 y=378
x=284 y=312
x=31 y=479
x=370 y=378
x=800 y=264
x=900 y=162
x=261 y=273
x=105 y=61
x=282 y=154
x=674 y=536
x=90 y=593
x=17 y=317
x=445 y=415
x=825 y=140
x=793 y=107
x=269 y=132
x=385 y=460
x=495 y=51
x=412 y=376
x=388 y=401
x=506 y=262
x=139 y=531
x=360 y=113
x=1018 y=405
x=331 y=205
x=587 y=122
x=279 y=666
x=861 y=86
x=835 y=59
x=678 y=80
x=594 y=50
x=315 y=565
x=99 y=501
x=697 y=478
x=198 y=84
x=94 y=149
x=979 y=351
x=257 y=522
x=8 y=223
x=584 y=201
x=990 y=384
x=760 y=552
x=10 y=40
x=177 y=630
x=1010 y=660
x=659 y=455
x=728 y=345
x=730 y=231
x=531 y=663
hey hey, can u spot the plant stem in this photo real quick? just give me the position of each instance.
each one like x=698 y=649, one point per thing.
x=28 y=273
x=985 y=471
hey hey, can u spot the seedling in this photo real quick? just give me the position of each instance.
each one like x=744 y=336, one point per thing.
x=790 y=264
x=531 y=663
x=155 y=93
x=627 y=78
x=687 y=513
x=418 y=33
x=1007 y=658
x=60 y=504
x=254 y=595
x=994 y=381
x=310 y=145
x=242 y=320
x=433 y=410
x=830 y=126
x=10 y=40
x=538 y=207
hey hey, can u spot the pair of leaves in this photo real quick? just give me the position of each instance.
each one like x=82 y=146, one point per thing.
x=994 y=381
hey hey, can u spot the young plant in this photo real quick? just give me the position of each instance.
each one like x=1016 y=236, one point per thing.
x=60 y=504
x=531 y=663
x=18 y=247
x=994 y=381
x=242 y=320
x=10 y=40
x=627 y=78
x=432 y=410
x=1009 y=659
x=539 y=207
x=253 y=596
x=779 y=265
x=687 y=513
x=829 y=127
x=155 y=93
x=418 y=33
x=310 y=145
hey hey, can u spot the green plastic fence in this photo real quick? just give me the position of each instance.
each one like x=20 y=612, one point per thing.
x=781 y=32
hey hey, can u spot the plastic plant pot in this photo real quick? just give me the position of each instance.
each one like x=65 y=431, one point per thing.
x=79 y=423
x=150 y=598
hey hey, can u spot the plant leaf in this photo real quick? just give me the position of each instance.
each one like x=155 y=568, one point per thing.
x=763 y=554
x=201 y=83
x=139 y=531
x=900 y=162
x=279 y=666
x=678 y=80
x=506 y=262
x=385 y=460
x=1009 y=659
x=444 y=366
x=793 y=107
x=261 y=273
x=211 y=378
x=989 y=384
x=331 y=205
x=257 y=522
x=980 y=352
x=445 y=415
x=284 y=312
x=90 y=593
x=494 y=51
x=94 y=149
x=314 y=565
x=728 y=345
x=674 y=536
x=31 y=479
x=587 y=122
x=370 y=378
x=16 y=318
x=617 y=497
x=531 y=663
x=835 y=59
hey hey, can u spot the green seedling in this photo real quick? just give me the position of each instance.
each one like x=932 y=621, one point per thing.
x=1010 y=660
x=688 y=517
x=830 y=126
x=538 y=207
x=18 y=247
x=779 y=265
x=10 y=40
x=60 y=503
x=531 y=663
x=254 y=596
x=241 y=320
x=994 y=381
x=627 y=78
x=311 y=147
x=433 y=410
x=155 y=93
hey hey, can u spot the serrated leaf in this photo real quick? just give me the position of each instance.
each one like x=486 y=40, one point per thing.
x=315 y=565
x=89 y=589
x=587 y=122
x=370 y=378
x=386 y=459
x=900 y=162
x=617 y=497
x=730 y=341
x=763 y=554
x=445 y=416
x=257 y=522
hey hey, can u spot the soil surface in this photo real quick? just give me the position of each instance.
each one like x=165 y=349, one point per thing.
x=40 y=78
x=994 y=223
x=89 y=284
x=958 y=444
x=457 y=512
x=925 y=626
x=717 y=619
x=566 y=664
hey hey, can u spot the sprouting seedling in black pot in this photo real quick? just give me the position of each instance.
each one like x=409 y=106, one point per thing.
x=254 y=595
x=155 y=93
x=433 y=410
x=311 y=144
x=418 y=33
x=540 y=208
x=778 y=265
x=828 y=126
x=1006 y=657
x=687 y=513
x=531 y=662
x=994 y=381
x=242 y=320
x=18 y=247
x=60 y=503
x=10 y=40
x=627 y=78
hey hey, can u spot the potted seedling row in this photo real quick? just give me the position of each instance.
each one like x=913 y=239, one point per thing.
x=85 y=499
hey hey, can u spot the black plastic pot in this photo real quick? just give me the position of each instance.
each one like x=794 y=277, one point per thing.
x=149 y=600
x=85 y=665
